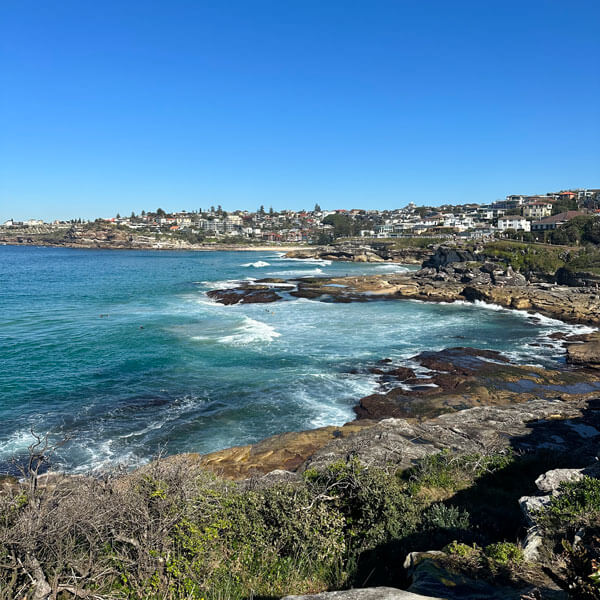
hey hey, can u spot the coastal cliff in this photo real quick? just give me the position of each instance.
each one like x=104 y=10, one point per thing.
x=409 y=252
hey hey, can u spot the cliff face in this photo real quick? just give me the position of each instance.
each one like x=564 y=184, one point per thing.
x=364 y=252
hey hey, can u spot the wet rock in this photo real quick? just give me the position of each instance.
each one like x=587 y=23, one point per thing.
x=401 y=373
x=586 y=354
x=257 y=295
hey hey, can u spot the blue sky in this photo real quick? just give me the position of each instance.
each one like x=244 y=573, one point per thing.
x=116 y=106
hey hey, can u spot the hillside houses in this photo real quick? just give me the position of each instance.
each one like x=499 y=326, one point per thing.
x=515 y=213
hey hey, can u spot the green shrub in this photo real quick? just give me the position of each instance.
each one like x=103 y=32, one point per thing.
x=577 y=503
x=462 y=550
x=450 y=472
x=375 y=504
x=504 y=553
x=440 y=516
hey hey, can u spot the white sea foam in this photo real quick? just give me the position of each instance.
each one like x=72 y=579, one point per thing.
x=307 y=261
x=330 y=385
x=394 y=268
x=17 y=443
x=250 y=331
x=223 y=284
x=257 y=265
x=298 y=273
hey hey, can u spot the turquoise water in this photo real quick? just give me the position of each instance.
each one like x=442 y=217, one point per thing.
x=123 y=351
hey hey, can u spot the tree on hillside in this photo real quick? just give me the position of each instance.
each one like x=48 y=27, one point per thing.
x=160 y=212
x=317 y=208
x=261 y=210
x=343 y=225
x=271 y=210
x=564 y=205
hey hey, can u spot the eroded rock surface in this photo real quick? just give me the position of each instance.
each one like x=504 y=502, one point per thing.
x=504 y=288
x=586 y=353
x=375 y=593
x=527 y=426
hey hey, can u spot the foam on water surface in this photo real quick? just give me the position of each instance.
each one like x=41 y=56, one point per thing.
x=171 y=368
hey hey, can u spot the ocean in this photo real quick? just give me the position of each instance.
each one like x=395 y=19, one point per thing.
x=123 y=353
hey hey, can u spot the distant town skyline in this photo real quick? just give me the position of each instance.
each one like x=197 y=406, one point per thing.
x=121 y=107
x=208 y=206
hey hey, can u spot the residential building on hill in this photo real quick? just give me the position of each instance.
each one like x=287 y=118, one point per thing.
x=515 y=222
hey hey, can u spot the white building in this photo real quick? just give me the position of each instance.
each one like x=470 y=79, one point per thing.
x=537 y=210
x=515 y=222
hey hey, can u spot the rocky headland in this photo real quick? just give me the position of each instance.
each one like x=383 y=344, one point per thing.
x=463 y=282
x=356 y=251
x=109 y=237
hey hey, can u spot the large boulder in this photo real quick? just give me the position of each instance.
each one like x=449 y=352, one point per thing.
x=375 y=593
x=444 y=256
x=550 y=481
x=586 y=354
x=431 y=577
x=249 y=295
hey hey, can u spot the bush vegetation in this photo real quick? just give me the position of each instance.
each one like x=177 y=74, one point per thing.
x=163 y=532
x=172 y=531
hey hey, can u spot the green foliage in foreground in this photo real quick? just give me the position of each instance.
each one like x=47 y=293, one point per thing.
x=171 y=533
x=164 y=533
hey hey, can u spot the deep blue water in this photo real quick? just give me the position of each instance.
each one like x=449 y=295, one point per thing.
x=123 y=351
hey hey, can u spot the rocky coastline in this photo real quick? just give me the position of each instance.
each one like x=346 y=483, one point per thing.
x=354 y=251
x=468 y=406
x=111 y=238
x=458 y=380
x=451 y=283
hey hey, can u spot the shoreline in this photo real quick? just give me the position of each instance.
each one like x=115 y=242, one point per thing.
x=224 y=248
x=357 y=292
x=572 y=305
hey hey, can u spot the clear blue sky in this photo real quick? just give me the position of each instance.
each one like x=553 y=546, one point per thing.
x=123 y=105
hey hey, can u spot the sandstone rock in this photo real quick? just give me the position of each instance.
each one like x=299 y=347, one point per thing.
x=430 y=577
x=533 y=424
x=376 y=593
x=586 y=354
x=532 y=504
x=550 y=481
x=532 y=545
x=578 y=305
